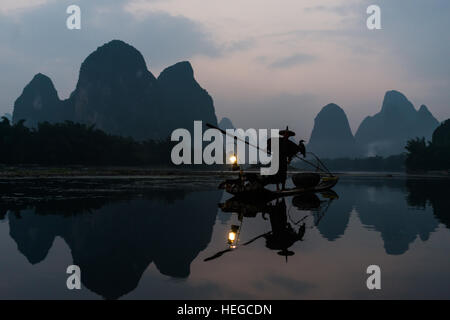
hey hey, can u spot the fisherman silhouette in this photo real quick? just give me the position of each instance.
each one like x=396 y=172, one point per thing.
x=287 y=150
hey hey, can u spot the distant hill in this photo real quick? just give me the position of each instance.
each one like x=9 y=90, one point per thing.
x=184 y=100
x=387 y=132
x=117 y=93
x=226 y=123
x=39 y=102
x=331 y=136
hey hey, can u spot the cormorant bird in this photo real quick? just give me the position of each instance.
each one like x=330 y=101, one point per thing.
x=302 y=148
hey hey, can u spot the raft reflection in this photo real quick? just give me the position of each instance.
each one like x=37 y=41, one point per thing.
x=284 y=230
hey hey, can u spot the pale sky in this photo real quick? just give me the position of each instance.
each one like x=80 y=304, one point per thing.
x=265 y=63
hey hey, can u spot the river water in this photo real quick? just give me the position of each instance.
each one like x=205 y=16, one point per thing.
x=153 y=245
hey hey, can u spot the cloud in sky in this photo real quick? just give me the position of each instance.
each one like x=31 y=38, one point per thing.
x=42 y=32
x=296 y=59
x=245 y=53
x=10 y=6
x=342 y=10
x=296 y=111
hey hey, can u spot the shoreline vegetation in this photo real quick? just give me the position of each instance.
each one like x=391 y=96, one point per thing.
x=70 y=143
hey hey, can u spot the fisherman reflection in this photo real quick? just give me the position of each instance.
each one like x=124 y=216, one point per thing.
x=283 y=234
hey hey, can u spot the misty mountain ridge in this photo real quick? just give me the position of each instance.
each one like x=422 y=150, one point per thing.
x=383 y=134
x=116 y=92
x=387 y=132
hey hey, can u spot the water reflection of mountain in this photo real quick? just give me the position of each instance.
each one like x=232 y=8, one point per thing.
x=381 y=205
x=335 y=221
x=116 y=242
x=431 y=192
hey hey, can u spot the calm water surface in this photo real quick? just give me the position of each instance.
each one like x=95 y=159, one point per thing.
x=154 y=246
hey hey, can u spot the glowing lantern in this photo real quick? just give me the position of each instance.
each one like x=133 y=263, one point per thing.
x=233 y=236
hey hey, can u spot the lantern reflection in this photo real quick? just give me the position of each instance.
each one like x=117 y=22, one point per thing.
x=233 y=236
